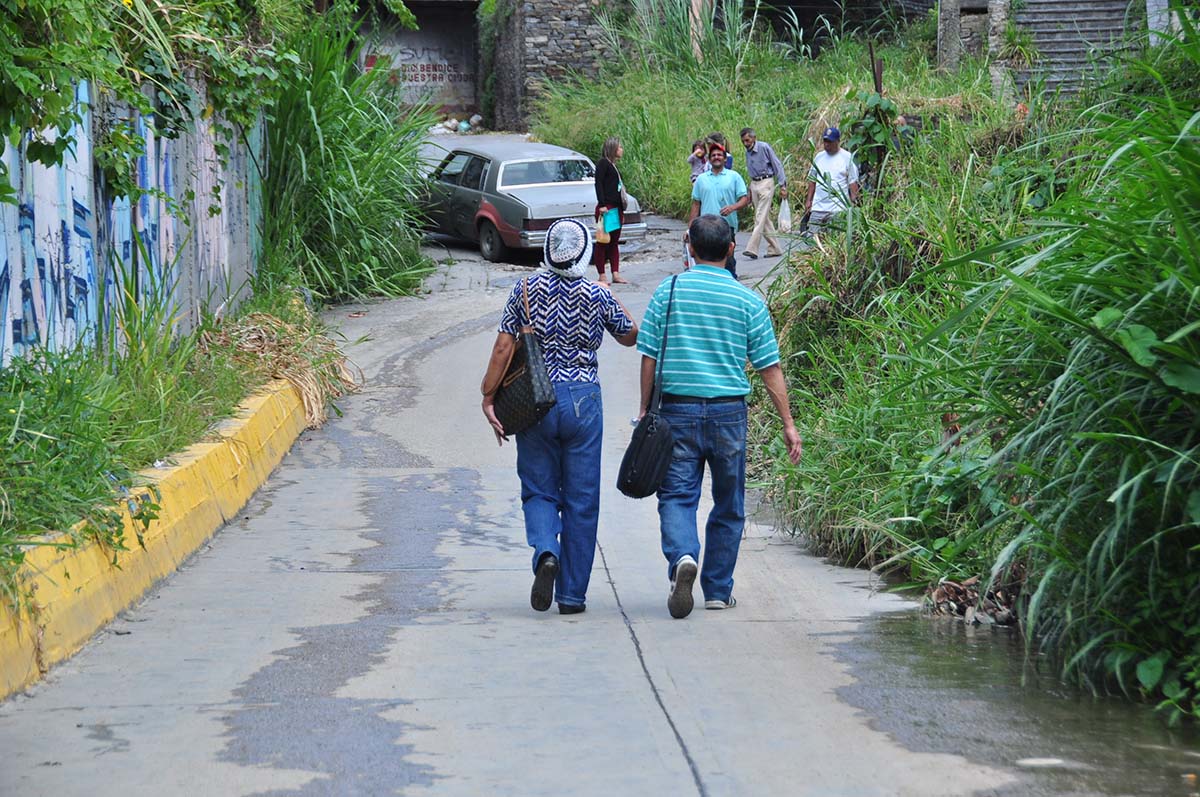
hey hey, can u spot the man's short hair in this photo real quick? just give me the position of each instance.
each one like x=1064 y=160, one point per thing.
x=710 y=236
x=747 y=131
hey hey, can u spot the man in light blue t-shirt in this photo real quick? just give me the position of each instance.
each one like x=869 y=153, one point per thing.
x=716 y=327
x=719 y=192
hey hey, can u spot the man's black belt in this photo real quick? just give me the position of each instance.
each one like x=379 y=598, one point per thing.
x=671 y=398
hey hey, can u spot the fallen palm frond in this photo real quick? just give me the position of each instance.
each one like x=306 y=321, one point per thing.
x=828 y=113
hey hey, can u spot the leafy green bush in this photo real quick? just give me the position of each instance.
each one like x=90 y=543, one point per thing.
x=151 y=56
x=1090 y=356
x=77 y=425
x=1001 y=371
x=341 y=193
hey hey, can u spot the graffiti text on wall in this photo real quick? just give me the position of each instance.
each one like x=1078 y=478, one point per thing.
x=60 y=244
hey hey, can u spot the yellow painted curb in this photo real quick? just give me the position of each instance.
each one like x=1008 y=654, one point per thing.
x=77 y=591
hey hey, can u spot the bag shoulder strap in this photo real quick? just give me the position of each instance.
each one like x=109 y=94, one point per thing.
x=528 y=327
x=662 y=349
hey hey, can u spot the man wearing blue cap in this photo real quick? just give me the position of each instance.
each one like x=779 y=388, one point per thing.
x=832 y=181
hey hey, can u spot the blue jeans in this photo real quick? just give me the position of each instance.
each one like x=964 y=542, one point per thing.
x=712 y=433
x=558 y=461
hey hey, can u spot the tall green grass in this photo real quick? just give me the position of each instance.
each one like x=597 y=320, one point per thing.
x=658 y=109
x=77 y=425
x=1089 y=346
x=1002 y=377
x=996 y=364
x=342 y=187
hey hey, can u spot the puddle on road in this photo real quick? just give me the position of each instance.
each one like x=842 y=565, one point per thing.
x=941 y=686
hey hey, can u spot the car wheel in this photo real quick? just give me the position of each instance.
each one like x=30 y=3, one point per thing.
x=491 y=245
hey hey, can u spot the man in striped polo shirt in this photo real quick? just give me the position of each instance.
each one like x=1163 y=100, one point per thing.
x=716 y=325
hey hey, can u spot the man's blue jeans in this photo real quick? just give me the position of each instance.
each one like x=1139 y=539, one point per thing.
x=558 y=461
x=712 y=433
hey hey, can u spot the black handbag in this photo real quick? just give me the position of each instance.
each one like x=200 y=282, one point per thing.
x=648 y=457
x=526 y=393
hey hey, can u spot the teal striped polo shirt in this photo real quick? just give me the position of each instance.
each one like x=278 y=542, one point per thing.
x=716 y=325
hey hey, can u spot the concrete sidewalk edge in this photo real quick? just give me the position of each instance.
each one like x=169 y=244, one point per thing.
x=75 y=592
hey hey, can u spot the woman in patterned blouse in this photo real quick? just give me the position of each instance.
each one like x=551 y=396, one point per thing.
x=558 y=460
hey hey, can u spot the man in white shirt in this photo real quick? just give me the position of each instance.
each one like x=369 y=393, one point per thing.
x=832 y=181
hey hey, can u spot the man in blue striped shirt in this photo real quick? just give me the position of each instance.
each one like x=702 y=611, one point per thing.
x=716 y=325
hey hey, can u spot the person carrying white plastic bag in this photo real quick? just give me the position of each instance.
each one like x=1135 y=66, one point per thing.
x=784 y=223
x=764 y=170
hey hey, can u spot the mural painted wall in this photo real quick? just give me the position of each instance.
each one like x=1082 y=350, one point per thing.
x=436 y=63
x=61 y=246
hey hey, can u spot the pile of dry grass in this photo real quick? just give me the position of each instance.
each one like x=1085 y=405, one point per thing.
x=829 y=113
x=297 y=352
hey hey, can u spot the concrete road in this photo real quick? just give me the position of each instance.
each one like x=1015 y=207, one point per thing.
x=364 y=627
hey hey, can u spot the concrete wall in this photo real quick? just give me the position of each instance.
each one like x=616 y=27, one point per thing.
x=1162 y=22
x=438 y=62
x=962 y=29
x=538 y=42
x=61 y=244
x=509 y=66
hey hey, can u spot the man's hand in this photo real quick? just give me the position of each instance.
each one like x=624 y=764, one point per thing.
x=795 y=446
x=783 y=192
x=725 y=211
x=772 y=377
x=489 y=412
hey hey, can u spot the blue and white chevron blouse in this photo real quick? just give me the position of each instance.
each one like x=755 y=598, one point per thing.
x=569 y=318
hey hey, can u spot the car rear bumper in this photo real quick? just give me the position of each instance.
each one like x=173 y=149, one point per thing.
x=535 y=239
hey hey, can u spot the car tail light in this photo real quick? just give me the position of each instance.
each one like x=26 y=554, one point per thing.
x=538 y=224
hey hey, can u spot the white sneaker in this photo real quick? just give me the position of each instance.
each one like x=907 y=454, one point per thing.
x=729 y=604
x=680 y=602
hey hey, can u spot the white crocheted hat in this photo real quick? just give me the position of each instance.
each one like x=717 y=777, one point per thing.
x=568 y=248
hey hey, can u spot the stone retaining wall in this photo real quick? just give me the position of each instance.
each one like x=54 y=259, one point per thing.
x=539 y=42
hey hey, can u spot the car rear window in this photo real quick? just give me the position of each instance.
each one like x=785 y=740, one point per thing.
x=564 y=170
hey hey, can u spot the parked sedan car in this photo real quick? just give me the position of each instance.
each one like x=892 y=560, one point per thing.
x=504 y=193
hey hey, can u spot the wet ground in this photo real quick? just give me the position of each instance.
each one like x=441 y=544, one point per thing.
x=939 y=685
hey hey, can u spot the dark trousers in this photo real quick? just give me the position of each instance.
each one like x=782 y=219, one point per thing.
x=609 y=252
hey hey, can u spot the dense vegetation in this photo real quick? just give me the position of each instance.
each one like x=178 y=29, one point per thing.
x=339 y=220
x=341 y=194
x=997 y=362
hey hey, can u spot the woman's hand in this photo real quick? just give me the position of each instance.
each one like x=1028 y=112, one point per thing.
x=489 y=412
